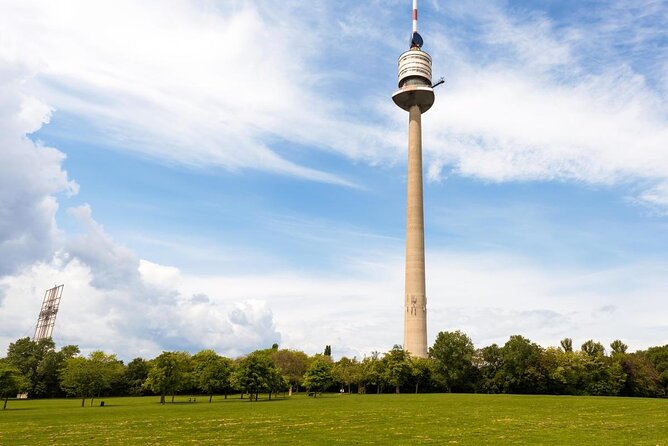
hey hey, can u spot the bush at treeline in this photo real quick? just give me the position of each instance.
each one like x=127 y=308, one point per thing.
x=453 y=365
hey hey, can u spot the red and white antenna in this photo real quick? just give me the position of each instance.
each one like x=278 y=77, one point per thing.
x=414 y=16
x=416 y=38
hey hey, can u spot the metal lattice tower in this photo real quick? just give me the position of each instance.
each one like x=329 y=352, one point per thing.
x=416 y=96
x=47 y=315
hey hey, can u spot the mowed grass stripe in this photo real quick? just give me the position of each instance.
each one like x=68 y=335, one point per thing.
x=342 y=419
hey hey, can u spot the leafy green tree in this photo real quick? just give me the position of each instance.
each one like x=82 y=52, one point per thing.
x=398 y=369
x=26 y=355
x=593 y=349
x=373 y=372
x=618 y=347
x=603 y=376
x=292 y=365
x=211 y=372
x=135 y=376
x=47 y=377
x=658 y=356
x=453 y=353
x=318 y=376
x=488 y=362
x=346 y=372
x=642 y=378
x=422 y=371
x=168 y=373
x=566 y=345
x=256 y=373
x=564 y=371
x=521 y=368
x=89 y=377
x=11 y=381
x=328 y=350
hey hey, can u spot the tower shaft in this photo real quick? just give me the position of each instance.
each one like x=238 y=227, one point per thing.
x=415 y=311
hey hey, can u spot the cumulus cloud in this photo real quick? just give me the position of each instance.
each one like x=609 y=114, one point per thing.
x=112 y=299
x=31 y=175
x=133 y=321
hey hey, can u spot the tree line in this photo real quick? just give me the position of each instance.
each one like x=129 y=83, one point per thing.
x=453 y=365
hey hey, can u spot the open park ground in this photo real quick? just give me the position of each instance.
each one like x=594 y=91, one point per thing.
x=341 y=419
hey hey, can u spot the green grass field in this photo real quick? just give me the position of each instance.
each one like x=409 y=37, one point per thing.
x=342 y=419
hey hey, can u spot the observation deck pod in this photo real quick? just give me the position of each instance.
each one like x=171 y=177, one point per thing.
x=414 y=80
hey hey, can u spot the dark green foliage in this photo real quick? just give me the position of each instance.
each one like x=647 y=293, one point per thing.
x=618 y=347
x=658 y=356
x=318 y=377
x=211 y=372
x=89 y=377
x=488 y=363
x=454 y=365
x=397 y=365
x=347 y=372
x=257 y=373
x=134 y=377
x=328 y=350
x=566 y=345
x=292 y=365
x=642 y=378
x=453 y=356
x=11 y=381
x=593 y=349
x=169 y=373
x=521 y=370
x=40 y=364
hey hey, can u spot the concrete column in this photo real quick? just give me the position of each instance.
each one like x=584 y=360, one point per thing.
x=415 y=311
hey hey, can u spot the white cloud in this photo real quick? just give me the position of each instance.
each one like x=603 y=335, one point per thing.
x=200 y=85
x=524 y=103
x=185 y=83
x=31 y=175
x=132 y=321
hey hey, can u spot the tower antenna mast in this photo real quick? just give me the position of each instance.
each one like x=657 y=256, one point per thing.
x=416 y=96
x=47 y=315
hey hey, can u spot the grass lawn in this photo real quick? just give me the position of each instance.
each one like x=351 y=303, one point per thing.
x=342 y=419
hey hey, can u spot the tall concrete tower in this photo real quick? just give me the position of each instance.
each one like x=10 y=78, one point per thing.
x=416 y=96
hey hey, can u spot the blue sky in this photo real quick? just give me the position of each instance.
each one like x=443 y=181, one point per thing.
x=232 y=174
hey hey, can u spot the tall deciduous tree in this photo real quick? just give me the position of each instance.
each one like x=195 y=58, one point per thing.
x=89 y=377
x=256 y=373
x=521 y=368
x=211 y=372
x=26 y=355
x=453 y=353
x=488 y=362
x=168 y=373
x=398 y=369
x=422 y=371
x=642 y=378
x=292 y=365
x=347 y=372
x=658 y=356
x=11 y=381
x=618 y=347
x=318 y=377
x=593 y=349
x=135 y=376
x=566 y=344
